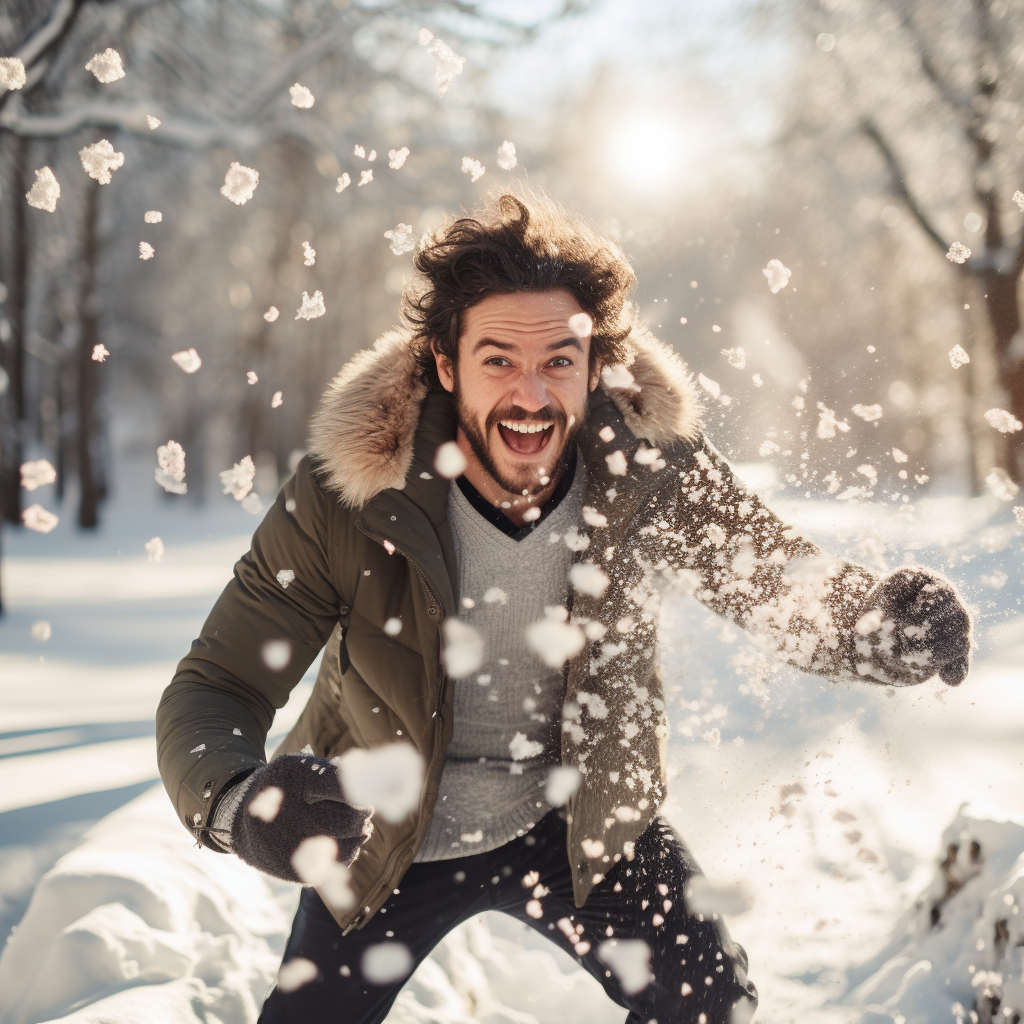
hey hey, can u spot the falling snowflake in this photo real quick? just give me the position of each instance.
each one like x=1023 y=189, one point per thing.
x=388 y=778
x=1005 y=422
x=315 y=861
x=868 y=413
x=270 y=316
x=153 y=122
x=284 y=577
x=473 y=168
x=713 y=737
x=278 y=400
x=308 y=254
x=767 y=449
x=240 y=183
x=563 y=781
x=146 y=251
x=12 y=73
x=251 y=377
x=386 y=962
x=100 y=352
x=463 y=649
x=41 y=630
x=617 y=377
x=45 y=192
x=736 y=357
x=1018 y=514
x=155 y=549
x=581 y=324
x=777 y=274
x=252 y=504
x=757 y=380
x=958 y=253
x=401 y=239
x=589 y=579
x=1001 y=485
x=276 y=654
x=35 y=517
x=301 y=96
x=266 y=804
x=397 y=157
x=521 y=747
x=311 y=307
x=343 y=182
x=188 y=360
x=899 y=455
x=957 y=357
x=712 y=387
x=37 y=474
x=106 y=66
x=617 y=465
x=1018 y=198
x=365 y=177
x=630 y=962
x=554 y=639
x=153 y=217
x=449 y=461
x=507 y=156
x=170 y=471
x=449 y=63
x=869 y=472
x=828 y=424
x=237 y=481
x=100 y=159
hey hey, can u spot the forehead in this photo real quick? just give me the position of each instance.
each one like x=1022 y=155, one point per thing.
x=521 y=318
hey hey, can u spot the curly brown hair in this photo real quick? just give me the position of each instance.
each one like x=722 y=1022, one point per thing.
x=525 y=243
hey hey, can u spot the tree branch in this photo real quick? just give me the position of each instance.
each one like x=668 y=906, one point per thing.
x=34 y=47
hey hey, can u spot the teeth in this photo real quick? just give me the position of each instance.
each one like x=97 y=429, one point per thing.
x=531 y=427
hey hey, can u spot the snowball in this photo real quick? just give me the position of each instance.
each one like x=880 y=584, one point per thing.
x=712 y=387
x=278 y=400
x=276 y=654
x=522 y=748
x=237 y=481
x=146 y=251
x=617 y=463
x=284 y=577
x=343 y=182
x=170 y=471
x=1018 y=198
x=449 y=461
x=393 y=626
x=41 y=631
x=36 y=474
x=265 y=805
x=397 y=157
x=449 y=63
x=630 y=961
x=240 y=183
x=386 y=962
x=301 y=96
x=188 y=360
x=562 y=783
x=1001 y=485
x=311 y=307
x=1005 y=422
x=555 y=642
x=35 y=517
x=12 y=73
x=155 y=549
x=589 y=578
x=316 y=863
x=106 y=66
x=704 y=897
x=100 y=159
x=868 y=413
x=365 y=177
x=270 y=316
x=581 y=325
x=898 y=455
x=828 y=424
x=473 y=168
x=45 y=192
x=618 y=376
x=736 y=357
x=153 y=122
x=778 y=275
x=308 y=254
x=401 y=239
x=957 y=357
x=388 y=778
x=507 y=156
x=958 y=253
x=463 y=649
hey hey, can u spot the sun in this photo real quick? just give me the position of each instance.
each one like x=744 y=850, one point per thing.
x=650 y=151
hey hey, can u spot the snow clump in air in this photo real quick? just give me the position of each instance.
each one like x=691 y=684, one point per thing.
x=267 y=804
x=393 y=626
x=12 y=73
x=712 y=387
x=106 y=66
x=1018 y=514
x=343 y=182
x=1018 y=198
x=507 y=156
x=146 y=251
x=252 y=504
x=828 y=424
x=617 y=465
x=36 y=474
x=386 y=962
x=365 y=177
x=153 y=122
x=153 y=217
x=630 y=962
x=868 y=413
x=1005 y=422
x=449 y=461
x=958 y=357
x=100 y=159
x=589 y=578
x=45 y=191
x=170 y=471
x=316 y=863
x=401 y=239
x=705 y=897
x=562 y=783
x=1001 y=485
x=100 y=353
x=35 y=517
x=619 y=377
x=449 y=63
x=308 y=254
x=521 y=747
x=301 y=96
x=237 y=481
x=581 y=325
x=188 y=360
x=777 y=274
x=251 y=377
x=898 y=455
x=311 y=308
x=473 y=168
x=276 y=654
x=554 y=639
x=278 y=400
x=284 y=577
x=463 y=648
x=270 y=316
x=240 y=183
x=736 y=357
x=41 y=631
x=958 y=253
x=387 y=778
x=397 y=158
x=155 y=549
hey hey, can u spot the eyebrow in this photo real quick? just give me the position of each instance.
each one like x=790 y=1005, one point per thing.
x=508 y=347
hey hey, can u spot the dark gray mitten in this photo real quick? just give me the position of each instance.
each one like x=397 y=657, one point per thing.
x=295 y=797
x=914 y=626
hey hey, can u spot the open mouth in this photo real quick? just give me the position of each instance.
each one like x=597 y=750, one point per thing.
x=526 y=437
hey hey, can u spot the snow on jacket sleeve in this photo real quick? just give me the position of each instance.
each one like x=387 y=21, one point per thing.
x=214 y=717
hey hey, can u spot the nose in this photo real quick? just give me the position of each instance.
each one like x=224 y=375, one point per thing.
x=530 y=393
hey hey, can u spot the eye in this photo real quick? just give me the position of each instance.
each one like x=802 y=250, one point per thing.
x=560 y=362
x=497 y=361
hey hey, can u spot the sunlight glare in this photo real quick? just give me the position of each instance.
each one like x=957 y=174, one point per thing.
x=649 y=151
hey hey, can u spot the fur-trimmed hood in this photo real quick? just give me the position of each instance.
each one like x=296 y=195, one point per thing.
x=363 y=432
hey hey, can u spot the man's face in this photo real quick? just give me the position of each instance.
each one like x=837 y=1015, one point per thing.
x=521 y=383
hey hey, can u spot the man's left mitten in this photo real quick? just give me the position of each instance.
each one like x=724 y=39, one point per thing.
x=294 y=798
x=913 y=626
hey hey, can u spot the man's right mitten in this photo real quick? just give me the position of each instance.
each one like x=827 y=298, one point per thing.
x=295 y=797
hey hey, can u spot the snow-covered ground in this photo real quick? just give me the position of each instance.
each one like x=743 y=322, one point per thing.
x=828 y=803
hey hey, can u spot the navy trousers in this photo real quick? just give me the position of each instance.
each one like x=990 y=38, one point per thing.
x=698 y=975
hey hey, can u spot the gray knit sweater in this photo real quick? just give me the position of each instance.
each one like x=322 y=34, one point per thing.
x=507 y=716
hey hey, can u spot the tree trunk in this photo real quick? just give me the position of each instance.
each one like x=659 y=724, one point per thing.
x=1002 y=307
x=85 y=440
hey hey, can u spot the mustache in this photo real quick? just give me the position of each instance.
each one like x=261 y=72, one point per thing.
x=515 y=412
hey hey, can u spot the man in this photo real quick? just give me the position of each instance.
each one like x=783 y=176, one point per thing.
x=532 y=578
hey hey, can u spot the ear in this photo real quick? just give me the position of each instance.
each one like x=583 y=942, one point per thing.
x=595 y=375
x=445 y=370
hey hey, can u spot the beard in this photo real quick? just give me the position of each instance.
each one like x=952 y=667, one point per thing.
x=526 y=478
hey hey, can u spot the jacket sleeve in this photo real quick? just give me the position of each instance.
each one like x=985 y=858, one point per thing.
x=257 y=642
x=740 y=560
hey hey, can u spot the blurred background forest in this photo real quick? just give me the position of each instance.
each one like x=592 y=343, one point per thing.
x=854 y=141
